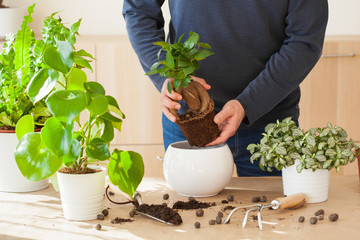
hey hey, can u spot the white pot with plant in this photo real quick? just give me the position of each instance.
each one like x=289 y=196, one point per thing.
x=305 y=157
x=69 y=144
x=19 y=62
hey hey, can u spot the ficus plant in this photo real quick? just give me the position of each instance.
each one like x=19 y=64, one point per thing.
x=182 y=59
x=318 y=148
x=84 y=118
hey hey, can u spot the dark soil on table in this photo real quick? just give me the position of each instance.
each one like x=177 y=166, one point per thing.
x=162 y=212
x=121 y=220
x=78 y=171
x=6 y=128
x=192 y=204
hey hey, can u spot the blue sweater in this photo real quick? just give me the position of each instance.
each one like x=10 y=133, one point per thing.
x=263 y=48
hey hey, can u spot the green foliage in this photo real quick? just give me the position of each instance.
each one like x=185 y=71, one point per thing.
x=318 y=148
x=182 y=59
x=66 y=138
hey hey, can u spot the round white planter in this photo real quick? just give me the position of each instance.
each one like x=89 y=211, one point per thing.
x=82 y=195
x=198 y=172
x=314 y=184
x=11 y=19
x=11 y=179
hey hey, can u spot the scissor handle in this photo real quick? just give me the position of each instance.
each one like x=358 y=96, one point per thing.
x=292 y=201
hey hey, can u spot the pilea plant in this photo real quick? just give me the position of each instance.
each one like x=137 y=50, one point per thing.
x=67 y=140
x=180 y=64
x=317 y=148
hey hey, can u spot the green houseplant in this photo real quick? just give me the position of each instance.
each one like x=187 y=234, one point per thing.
x=67 y=143
x=180 y=64
x=287 y=147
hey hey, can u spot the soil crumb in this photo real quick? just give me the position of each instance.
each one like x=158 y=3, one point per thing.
x=192 y=204
x=121 y=220
x=162 y=212
x=78 y=171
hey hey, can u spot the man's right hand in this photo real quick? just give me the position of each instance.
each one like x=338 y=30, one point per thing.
x=169 y=100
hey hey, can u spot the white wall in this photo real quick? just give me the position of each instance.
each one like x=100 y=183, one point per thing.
x=103 y=17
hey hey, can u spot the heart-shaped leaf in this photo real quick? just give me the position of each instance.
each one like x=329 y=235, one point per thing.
x=73 y=154
x=41 y=84
x=24 y=125
x=98 y=105
x=98 y=149
x=95 y=88
x=126 y=170
x=56 y=136
x=77 y=78
x=61 y=58
x=65 y=105
x=35 y=161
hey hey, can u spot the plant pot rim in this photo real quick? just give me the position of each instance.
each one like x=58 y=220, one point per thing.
x=185 y=146
x=13 y=131
x=96 y=167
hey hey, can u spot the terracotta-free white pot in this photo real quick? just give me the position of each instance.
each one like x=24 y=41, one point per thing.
x=11 y=179
x=198 y=172
x=82 y=195
x=11 y=19
x=314 y=184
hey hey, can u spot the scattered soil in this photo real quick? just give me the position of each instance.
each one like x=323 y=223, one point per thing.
x=255 y=199
x=98 y=227
x=199 y=213
x=333 y=217
x=111 y=193
x=230 y=198
x=254 y=217
x=320 y=217
x=212 y=222
x=218 y=219
x=192 y=204
x=197 y=225
x=319 y=212
x=301 y=219
x=7 y=128
x=224 y=201
x=228 y=208
x=78 y=171
x=121 y=220
x=100 y=217
x=313 y=220
x=263 y=199
x=220 y=214
x=162 y=212
x=166 y=196
x=105 y=212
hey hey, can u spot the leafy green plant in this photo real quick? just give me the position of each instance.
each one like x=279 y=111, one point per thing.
x=19 y=61
x=182 y=59
x=317 y=148
x=84 y=118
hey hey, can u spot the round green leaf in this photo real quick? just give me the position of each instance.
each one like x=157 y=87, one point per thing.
x=35 y=161
x=98 y=149
x=95 y=88
x=77 y=78
x=24 y=125
x=126 y=170
x=107 y=133
x=65 y=105
x=60 y=59
x=41 y=84
x=57 y=137
x=98 y=105
x=73 y=154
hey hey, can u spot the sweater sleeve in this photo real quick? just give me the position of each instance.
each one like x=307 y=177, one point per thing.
x=145 y=25
x=302 y=47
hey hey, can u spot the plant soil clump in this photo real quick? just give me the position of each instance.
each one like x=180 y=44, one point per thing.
x=121 y=220
x=191 y=204
x=78 y=171
x=161 y=212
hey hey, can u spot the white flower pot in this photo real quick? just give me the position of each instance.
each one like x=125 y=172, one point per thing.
x=11 y=179
x=198 y=172
x=314 y=184
x=11 y=19
x=82 y=195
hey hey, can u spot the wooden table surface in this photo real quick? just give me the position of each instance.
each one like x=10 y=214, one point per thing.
x=38 y=215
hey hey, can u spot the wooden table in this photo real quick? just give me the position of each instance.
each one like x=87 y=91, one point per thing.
x=38 y=215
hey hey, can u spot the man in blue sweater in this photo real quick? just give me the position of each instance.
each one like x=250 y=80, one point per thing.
x=263 y=51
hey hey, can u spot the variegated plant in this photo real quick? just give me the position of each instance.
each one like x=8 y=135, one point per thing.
x=318 y=148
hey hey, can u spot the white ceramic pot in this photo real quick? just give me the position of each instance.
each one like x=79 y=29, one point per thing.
x=82 y=195
x=11 y=179
x=198 y=172
x=314 y=184
x=11 y=19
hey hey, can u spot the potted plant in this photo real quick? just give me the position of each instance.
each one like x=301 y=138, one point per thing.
x=10 y=19
x=75 y=140
x=19 y=61
x=182 y=60
x=305 y=157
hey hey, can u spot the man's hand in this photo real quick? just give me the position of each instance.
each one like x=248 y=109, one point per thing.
x=169 y=100
x=228 y=120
